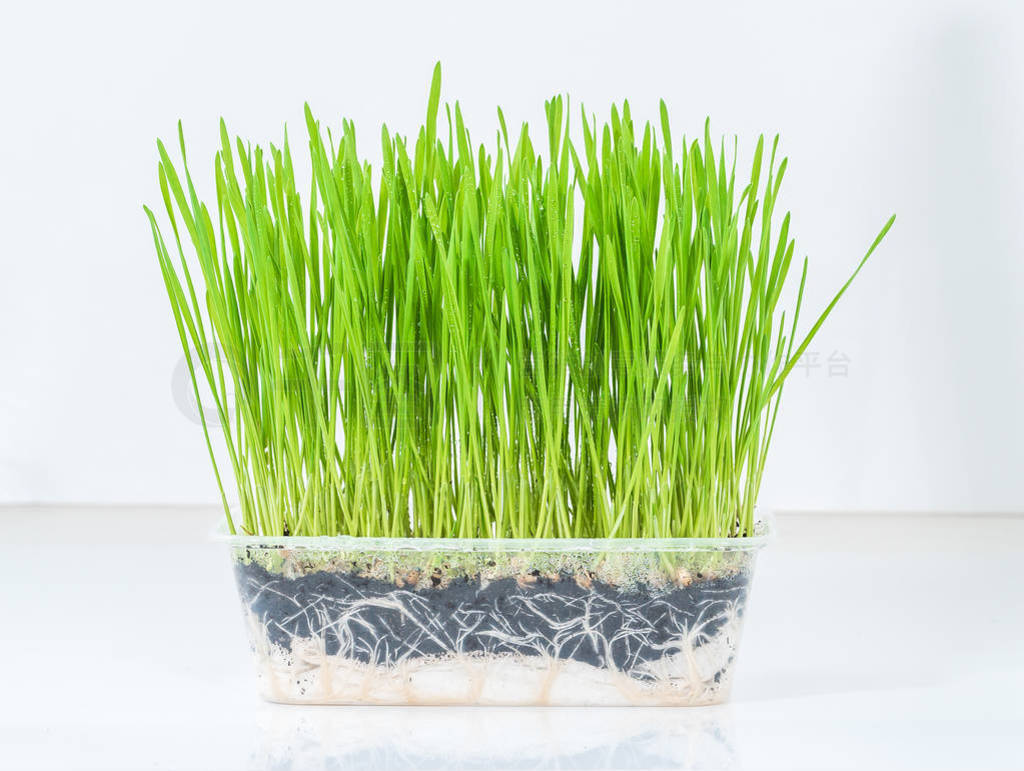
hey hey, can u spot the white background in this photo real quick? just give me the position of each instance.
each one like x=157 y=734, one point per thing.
x=907 y=107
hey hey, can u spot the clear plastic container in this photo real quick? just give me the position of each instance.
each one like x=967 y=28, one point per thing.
x=555 y=622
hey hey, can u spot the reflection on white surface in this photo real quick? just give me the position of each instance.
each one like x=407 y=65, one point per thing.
x=294 y=738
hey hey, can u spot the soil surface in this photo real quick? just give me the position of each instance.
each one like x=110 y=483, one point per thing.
x=376 y=622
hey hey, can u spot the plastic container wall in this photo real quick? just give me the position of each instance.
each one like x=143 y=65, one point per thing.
x=342 y=620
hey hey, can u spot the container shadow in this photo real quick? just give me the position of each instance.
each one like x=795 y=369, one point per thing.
x=384 y=738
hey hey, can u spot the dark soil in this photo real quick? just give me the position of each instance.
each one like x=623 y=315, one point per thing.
x=376 y=622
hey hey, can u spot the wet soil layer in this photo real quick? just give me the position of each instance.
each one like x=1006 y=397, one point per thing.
x=375 y=622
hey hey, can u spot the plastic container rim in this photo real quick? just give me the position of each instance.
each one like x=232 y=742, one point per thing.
x=764 y=531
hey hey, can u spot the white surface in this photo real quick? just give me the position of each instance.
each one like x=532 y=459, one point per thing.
x=884 y=106
x=870 y=643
